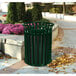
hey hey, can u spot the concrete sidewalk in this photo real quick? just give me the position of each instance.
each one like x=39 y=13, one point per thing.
x=68 y=41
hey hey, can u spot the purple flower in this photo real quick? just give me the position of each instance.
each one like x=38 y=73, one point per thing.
x=2 y=26
x=13 y=29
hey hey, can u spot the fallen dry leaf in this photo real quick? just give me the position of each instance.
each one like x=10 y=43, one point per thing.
x=1 y=57
x=64 y=68
x=61 y=71
x=7 y=56
x=63 y=60
x=51 y=70
x=35 y=68
x=74 y=70
x=4 y=69
x=13 y=57
x=57 y=72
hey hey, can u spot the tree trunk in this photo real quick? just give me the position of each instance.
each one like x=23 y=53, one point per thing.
x=64 y=11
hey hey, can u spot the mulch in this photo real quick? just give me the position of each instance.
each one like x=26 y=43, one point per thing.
x=55 y=43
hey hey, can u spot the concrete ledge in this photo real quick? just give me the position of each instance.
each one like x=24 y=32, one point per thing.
x=14 y=44
x=15 y=51
x=49 y=15
x=54 y=33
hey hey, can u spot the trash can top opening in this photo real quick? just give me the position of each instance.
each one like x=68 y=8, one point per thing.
x=38 y=25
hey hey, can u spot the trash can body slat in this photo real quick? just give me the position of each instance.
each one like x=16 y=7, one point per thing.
x=26 y=54
x=35 y=51
x=40 y=50
x=32 y=50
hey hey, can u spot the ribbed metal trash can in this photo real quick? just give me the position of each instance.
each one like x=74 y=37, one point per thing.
x=38 y=43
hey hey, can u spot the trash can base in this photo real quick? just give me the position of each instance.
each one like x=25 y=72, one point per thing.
x=37 y=65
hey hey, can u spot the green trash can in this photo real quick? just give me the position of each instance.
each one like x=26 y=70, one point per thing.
x=38 y=43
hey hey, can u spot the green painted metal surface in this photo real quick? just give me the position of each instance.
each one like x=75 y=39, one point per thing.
x=38 y=43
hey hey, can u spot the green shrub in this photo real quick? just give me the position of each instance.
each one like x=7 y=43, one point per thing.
x=29 y=15
x=12 y=13
x=69 y=9
x=36 y=12
x=44 y=20
x=20 y=11
x=55 y=10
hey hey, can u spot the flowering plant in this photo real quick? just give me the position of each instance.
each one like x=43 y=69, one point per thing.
x=13 y=29
x=17 y=29
x=2 y=26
